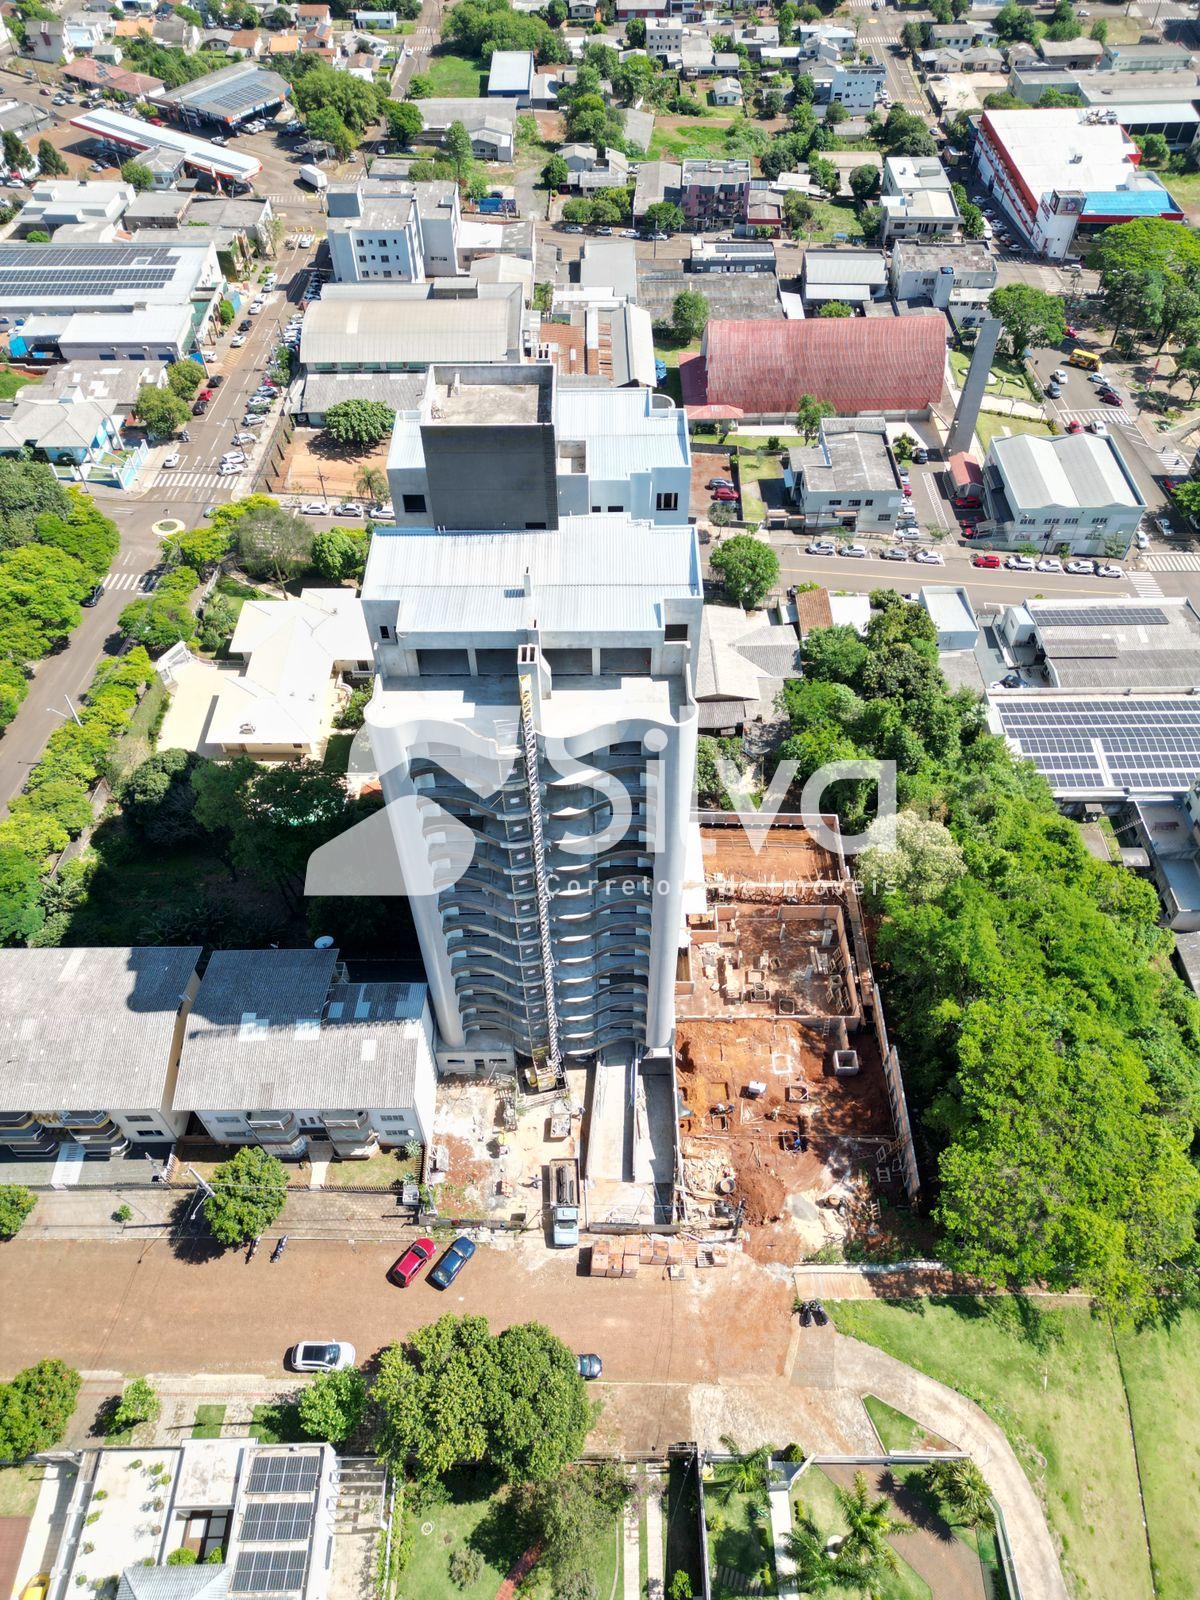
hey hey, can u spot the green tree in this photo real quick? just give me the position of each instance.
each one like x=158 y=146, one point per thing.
x=1187 y=368
x=405 y=122
x=15 y=1205
x=834 y=655
x=555 y=174
x=836 y=308
x=184 y=378
x=571 y=1513
x=333 y=1405
x=1064 y=25
x=225 y=313
x=183 y=1557
x=544 y=1415
x=50 y=161
x=963 y=1493
x=274 y=543
x=747 y=1473
x=864 y=182
x=325 y=126
x=35 y=1409
x=1015 y=24
x=458 y=149
x=202 y=549
x=359 y=423
x=1030 y=316
x=797 y=210
x=37 y=236
x=664 y=216
x=921 y=863
x=160 y=411
x=248 y=1193
x=338 y=554
x=635 y=33
x=870 y=1526
x=16 y=153
x=436 y=1396
x=824 y=174
x=912 y=37
x=1099 y=31
x=748 y=569
x=1187 y=498
x=577 y=212
x=689 y=315
x=139 y=1403
x=810 y=414
x=137 y=174
x=1155 y=149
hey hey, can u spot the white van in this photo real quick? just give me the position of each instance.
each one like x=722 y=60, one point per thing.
x=313 y=176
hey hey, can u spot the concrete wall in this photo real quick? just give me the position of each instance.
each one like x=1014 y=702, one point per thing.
x=479 y=478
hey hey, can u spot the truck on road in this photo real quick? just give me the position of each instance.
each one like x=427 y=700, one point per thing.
x=564 y=1203
x=314 y=177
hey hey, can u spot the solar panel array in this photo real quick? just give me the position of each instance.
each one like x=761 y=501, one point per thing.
x=284 y=1475
x=277 y=1522
x=269 y=1572
x=85 y=272
x=1083 y=745
x=1101 y=617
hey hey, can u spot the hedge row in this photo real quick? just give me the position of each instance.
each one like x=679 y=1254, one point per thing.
x=54 y=547
x=55 y=805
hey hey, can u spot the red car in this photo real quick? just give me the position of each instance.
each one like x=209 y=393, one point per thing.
x=986 y=560
x=1074 y=426
x=724 y=494
x=418 y=1256
x=1071 y=331
x=907 y=487
x=205 y=394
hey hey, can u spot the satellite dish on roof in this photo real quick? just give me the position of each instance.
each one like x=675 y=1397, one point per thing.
x=324 y=943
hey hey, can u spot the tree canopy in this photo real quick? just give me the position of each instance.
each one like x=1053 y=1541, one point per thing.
x=1030 y=316
x=35 y=1408
x=748 y=569
x=248 y=1193
x=689 y=315
x=1050 y=1052
x=360 y=423
x=455 y=1394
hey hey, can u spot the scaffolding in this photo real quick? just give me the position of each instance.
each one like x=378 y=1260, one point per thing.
x=547 y=1061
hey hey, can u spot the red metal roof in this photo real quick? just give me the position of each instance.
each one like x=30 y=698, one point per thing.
x=856 y=363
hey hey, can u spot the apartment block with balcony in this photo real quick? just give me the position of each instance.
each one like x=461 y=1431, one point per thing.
x=91 y=1045
x=714 y=193
x=917 y=200
x=534 y=727
x=284 y=1050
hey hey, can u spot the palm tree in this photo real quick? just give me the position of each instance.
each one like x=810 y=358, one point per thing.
x=746 y=1472
x=962 y=1489
x=816 y=1569
x=371 y=483
x=869 y=1525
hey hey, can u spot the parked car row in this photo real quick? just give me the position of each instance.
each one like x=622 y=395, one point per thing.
x=1080 y=566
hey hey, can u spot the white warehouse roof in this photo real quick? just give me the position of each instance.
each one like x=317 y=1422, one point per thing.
x=1076 y=470
x=139 y=135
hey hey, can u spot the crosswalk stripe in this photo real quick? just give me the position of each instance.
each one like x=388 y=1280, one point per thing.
x=1145 y=585
x=126 y=581
x=1174 y=561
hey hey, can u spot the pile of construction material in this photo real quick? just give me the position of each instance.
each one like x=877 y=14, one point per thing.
x=622 y=1256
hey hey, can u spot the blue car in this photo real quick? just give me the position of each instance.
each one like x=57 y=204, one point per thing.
x=452 y=1263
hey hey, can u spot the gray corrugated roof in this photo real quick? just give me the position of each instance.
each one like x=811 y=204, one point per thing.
x=271 y=1029
x=346 y=331
x=1076 y=471
x=401 y=391
x=845 y=266
x=174 y=1583
x=89 y=1028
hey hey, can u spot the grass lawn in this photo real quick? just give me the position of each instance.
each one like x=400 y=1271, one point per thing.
x=830 y=217
x=816 y=1491
x=665 y=349
x=477 y=1517
x=1012 y=385
x=898 y=1432
x=993 y=426
x=1185 y=186
x=738 y=1541
x=19 y=1488
x=272 y=1423
x=455 y=77
x=1050 y=1378
x=755 y=465
x=677 y=137
x=208 y=1422
x=337 y=753
x=11 y=381
x=1160 y=1367
x=376 y=1172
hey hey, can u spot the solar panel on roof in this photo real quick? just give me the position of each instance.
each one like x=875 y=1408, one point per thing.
x=1101 y=617
x=284 y=1475
x=276 y=1522
x=1107 y=744
x=269 y=1572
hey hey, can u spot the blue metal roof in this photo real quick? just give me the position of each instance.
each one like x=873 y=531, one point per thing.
x=1129 y=203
